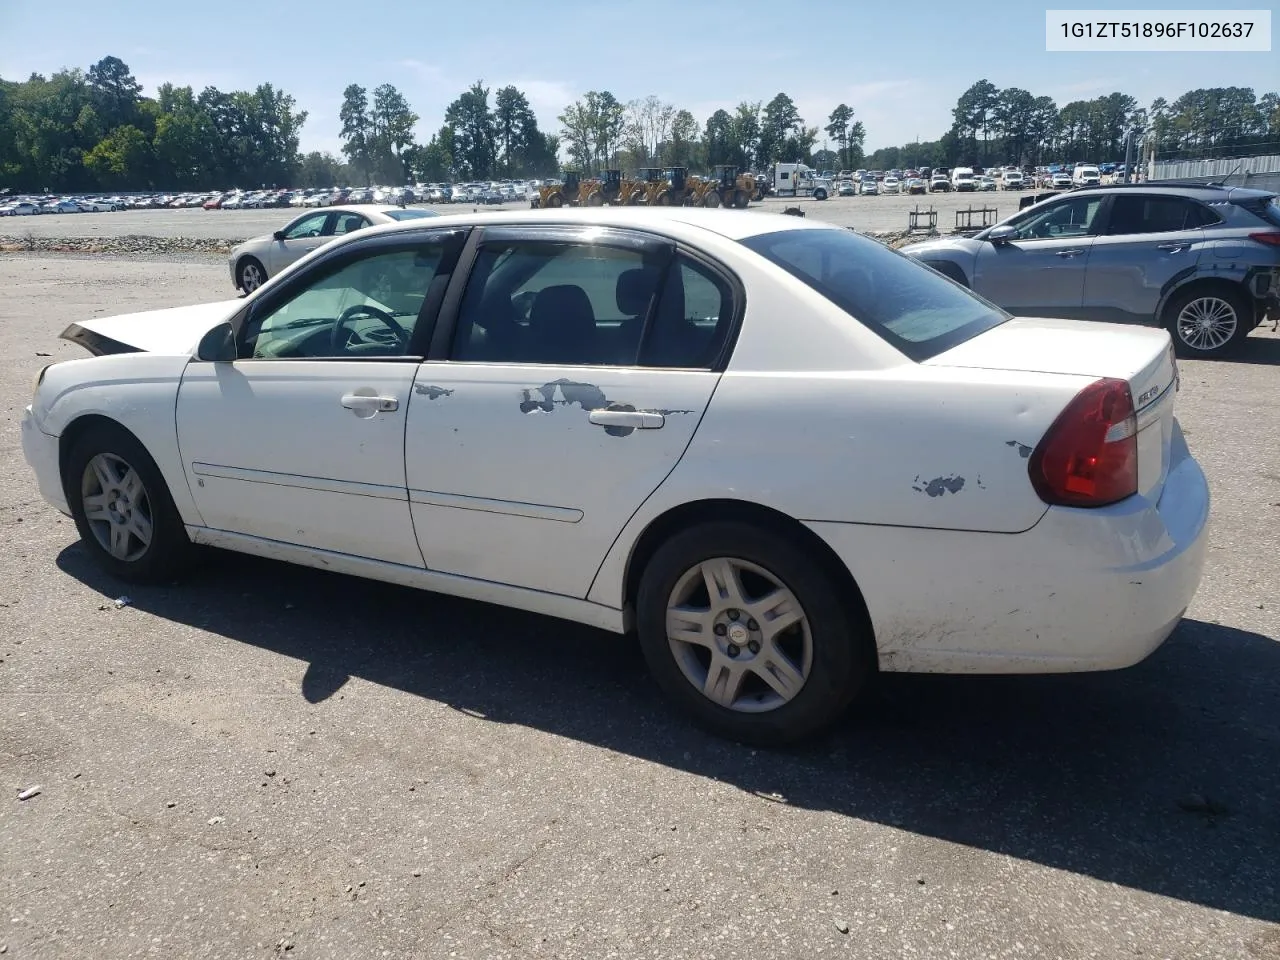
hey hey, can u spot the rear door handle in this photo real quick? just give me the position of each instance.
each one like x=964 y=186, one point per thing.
x=1070 y=253
x=354 y=401
x=637 y=419
x=1172 y=247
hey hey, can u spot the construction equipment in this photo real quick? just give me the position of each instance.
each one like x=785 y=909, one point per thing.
x=729 y=188
x=614 y=190
x=675 y=190
x=653 y=183
x=573 y=192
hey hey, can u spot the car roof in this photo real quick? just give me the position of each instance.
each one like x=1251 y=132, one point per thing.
x=732 y=224
x=1208 y=192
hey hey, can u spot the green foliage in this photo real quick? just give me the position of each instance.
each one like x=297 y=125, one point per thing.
x=77 y=132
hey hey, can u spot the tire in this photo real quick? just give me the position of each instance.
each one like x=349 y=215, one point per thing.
x=157 y=557
x=595 y=200
x=711 y=199
x=1226 y=310
x=828 y=639
x=740 y=199
x=250 y=274
x=819 y=194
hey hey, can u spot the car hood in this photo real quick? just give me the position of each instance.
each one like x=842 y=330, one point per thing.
x=174 y=331
x=940 y=245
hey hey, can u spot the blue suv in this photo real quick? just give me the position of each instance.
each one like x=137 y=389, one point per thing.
x=1202 y=261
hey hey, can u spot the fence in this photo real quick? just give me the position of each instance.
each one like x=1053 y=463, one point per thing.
x=1260 y=173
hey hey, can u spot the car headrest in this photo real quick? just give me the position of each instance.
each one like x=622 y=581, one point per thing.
x=633 y=291
x=564 y=310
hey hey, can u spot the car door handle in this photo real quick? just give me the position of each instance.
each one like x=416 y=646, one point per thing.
x=354 y=401
x=1070 y=253
x=637 y=419
x=1172 y=247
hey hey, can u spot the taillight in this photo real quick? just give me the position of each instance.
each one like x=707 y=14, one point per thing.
x=1271 y=238
x=1089 y=457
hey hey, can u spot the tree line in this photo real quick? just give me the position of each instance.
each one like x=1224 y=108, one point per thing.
x=993 y=126
x=86 y=130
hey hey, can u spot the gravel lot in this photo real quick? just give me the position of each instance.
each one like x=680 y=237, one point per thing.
x=269 y=761
x=880 y=213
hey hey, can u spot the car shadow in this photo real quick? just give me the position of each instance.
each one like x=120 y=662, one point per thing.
x=1264 y=350
x=1161 y=778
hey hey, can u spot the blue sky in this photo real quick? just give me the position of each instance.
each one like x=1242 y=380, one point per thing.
x=900 y=66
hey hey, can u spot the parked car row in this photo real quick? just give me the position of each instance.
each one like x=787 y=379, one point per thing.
x=35 y=206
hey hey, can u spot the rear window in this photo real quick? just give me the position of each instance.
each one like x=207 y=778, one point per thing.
x=917 y=310
x=411 y=214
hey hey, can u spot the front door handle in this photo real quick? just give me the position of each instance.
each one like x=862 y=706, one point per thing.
x=637 y=419
x=1070 y=253
x=1172 y=247
x=363 y=404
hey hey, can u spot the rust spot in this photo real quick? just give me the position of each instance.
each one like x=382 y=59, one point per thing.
x=432 y=392
x=939 y=485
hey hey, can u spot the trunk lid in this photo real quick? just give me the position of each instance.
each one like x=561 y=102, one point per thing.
x=175 y=330
x=1142 y=356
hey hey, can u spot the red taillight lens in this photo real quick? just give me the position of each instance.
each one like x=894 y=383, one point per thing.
x=1089 y=457
x=1271 y=239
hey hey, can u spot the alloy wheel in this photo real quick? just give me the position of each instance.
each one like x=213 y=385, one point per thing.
x=739 y=635
x=1207 y=323
x=251 y=277
x=117 y=507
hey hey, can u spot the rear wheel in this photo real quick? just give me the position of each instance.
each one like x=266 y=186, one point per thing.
x=666 y=199
x=748 y=634
x=596 y=199
x=740 y=199
x=1208 y=321
x=712 y=199
x=122 y=507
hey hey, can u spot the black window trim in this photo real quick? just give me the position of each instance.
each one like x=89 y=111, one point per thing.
x=446 y=318
x=454 y=240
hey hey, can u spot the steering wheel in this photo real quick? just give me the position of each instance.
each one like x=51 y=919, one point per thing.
x=339 y=343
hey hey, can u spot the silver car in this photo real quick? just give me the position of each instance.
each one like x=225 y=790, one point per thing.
x=255 y=260
x=1202 y=261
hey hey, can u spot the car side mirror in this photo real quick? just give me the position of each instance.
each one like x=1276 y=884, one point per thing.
x=1002 y=234
x=218 y=345
x=278 y=235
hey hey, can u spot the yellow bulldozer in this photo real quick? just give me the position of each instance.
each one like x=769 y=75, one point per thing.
x=614 y=189
x=729 y=188
x=572 y=192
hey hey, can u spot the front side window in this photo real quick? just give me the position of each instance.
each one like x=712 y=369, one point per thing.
x=363 y=307
x=556 y=302
x=915 y=309
x=307 y=227
x=1067 y=218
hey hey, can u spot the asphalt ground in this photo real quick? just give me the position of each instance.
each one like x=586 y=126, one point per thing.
x=270 y=761
x=869 y=214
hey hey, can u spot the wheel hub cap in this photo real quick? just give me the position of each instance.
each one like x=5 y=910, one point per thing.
x=739 y=635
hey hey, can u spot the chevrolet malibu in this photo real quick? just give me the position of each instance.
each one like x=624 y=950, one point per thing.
x=781 y=455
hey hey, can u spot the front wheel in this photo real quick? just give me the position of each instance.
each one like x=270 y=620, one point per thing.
x=819 y=194
x=1209 y=321
x=748 y=635
x=250 y=274
x=122 y=507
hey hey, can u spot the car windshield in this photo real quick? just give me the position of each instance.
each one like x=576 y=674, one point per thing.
x=917 y=310
x=410 y=214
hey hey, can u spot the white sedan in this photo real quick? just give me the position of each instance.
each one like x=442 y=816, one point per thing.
x=785 y=454
x=253 y=261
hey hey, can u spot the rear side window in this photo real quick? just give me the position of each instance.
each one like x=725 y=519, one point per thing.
x=1135 y=213
x=912 y=307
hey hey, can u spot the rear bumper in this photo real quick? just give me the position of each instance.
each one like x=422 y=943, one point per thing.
x=1082 y=590
x=41 y=452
